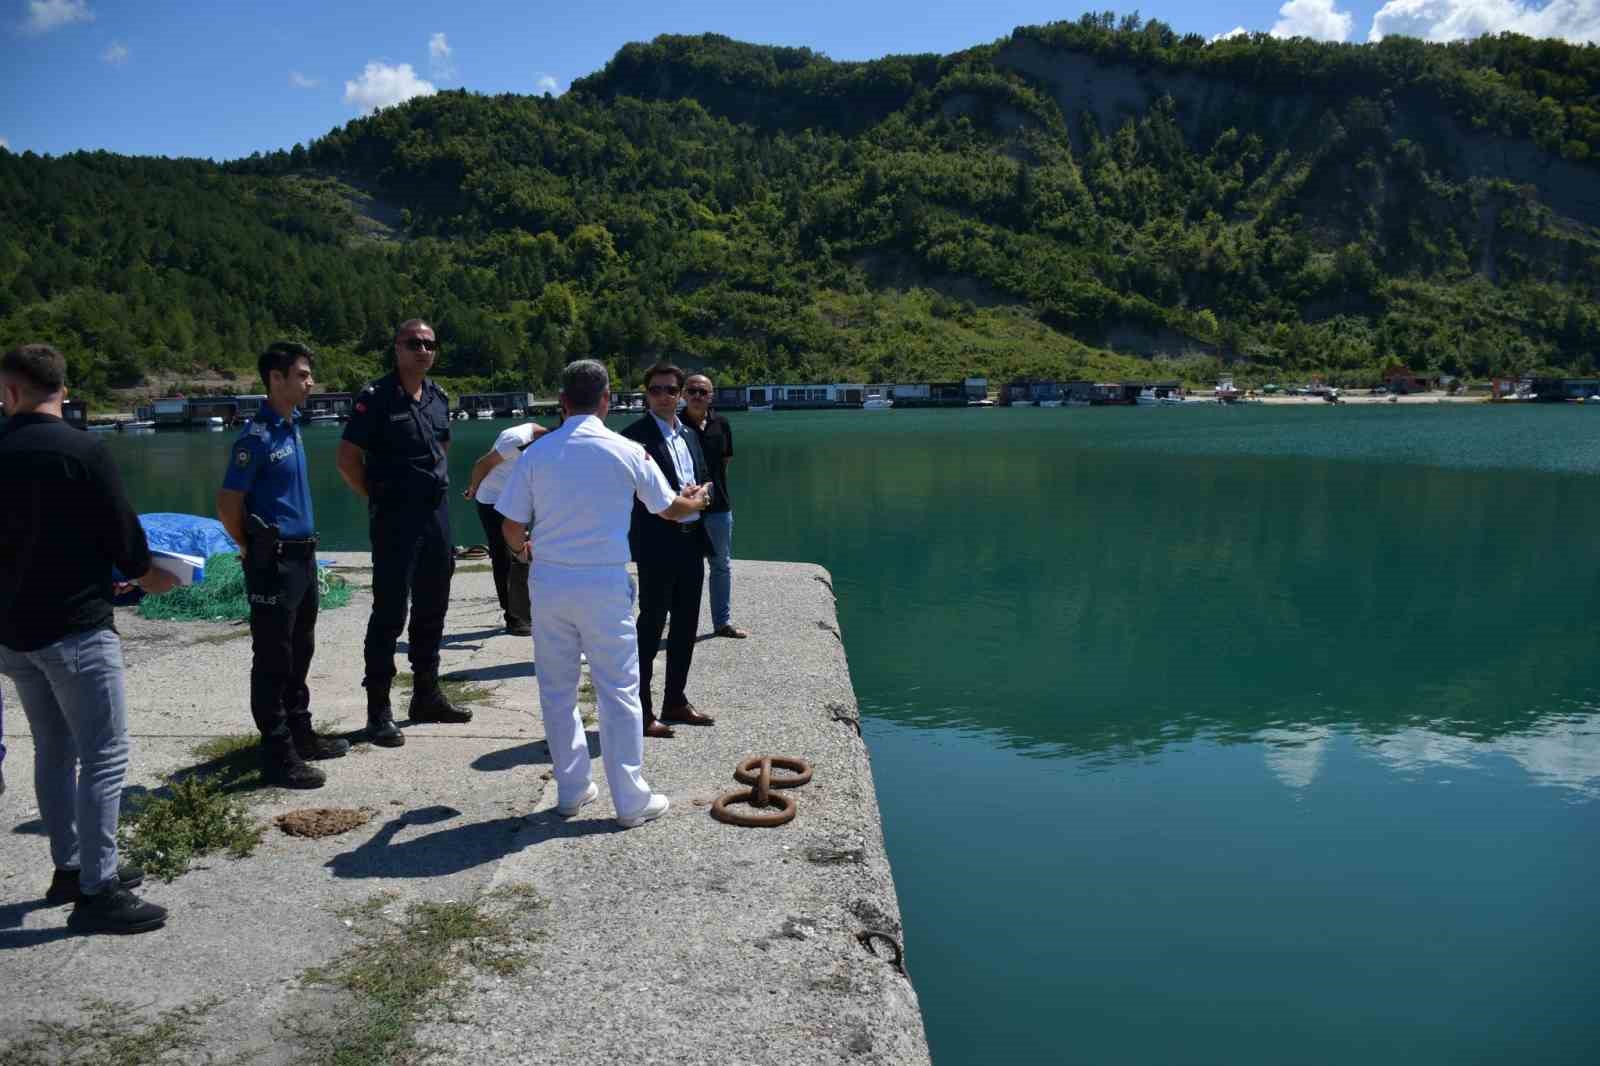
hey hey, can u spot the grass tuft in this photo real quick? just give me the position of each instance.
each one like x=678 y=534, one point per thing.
x=397 y=968
x=113 y=1034
x=166 y=831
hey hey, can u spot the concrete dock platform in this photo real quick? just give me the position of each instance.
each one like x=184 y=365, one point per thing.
x=682 y=941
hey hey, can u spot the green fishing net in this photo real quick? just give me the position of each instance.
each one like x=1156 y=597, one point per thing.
x=221 y=596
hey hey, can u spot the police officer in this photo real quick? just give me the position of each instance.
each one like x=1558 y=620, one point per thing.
x=577 y=484
x=265 y=504
x=394 y=455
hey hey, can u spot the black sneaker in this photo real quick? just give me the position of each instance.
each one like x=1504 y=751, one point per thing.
x=65 y=886
x=516 y=627
x=115 y=910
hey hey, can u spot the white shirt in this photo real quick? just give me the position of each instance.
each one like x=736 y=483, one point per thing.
x=508 y=446
x=577 y=484
x=682 y=458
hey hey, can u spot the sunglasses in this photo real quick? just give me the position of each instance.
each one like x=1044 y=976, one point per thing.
x=697 y=392
x=664 y=390
x=419 y=344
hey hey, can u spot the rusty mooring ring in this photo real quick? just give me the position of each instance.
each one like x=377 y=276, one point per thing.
x=749 y=772
x=785 y=813
x=756 y=772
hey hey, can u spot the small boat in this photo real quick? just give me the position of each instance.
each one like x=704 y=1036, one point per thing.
x=981 y=403
x=877 y=403
x=1172 y=399
x=138 y=423
x=215 y=422
x=759 y=407
x=101 y=427
x=1225 y=392
x=323 y=416
x=1147 y=398
x=483 y=412
x=1050 y=403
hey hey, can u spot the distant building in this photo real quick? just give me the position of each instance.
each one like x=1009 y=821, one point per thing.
x=1403 y=381
x=976 y=388
x=1556 y=389
x=75 y=413
x=731 y=398
x=499 y=404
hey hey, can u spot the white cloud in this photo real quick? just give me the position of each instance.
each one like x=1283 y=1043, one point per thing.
x=116 y=55
x=382 y=85
x=439 y=64
x=546 y=83
x=1318 y=19
x=1237 y=31
x=300 y=81
x=1450 y=20
x=47 y=15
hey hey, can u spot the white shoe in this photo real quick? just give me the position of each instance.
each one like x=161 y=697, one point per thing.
x=654 y=809
x=567 y=810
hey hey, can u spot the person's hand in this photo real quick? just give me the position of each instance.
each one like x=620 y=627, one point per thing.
x=700 y=495
x=156 y=581
x=525 y=553
x=467 y=493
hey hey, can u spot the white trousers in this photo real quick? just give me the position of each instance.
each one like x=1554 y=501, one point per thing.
x=589 y=610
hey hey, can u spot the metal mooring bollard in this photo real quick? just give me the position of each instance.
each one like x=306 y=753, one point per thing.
x=756 y=772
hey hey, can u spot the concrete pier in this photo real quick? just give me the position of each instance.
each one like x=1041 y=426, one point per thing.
x=683 y=941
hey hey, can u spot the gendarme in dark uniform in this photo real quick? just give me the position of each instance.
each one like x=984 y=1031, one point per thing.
x=405 y=440
x=267 y=464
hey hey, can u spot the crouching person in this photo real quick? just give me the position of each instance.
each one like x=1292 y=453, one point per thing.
x=265 y=504
x=65 y=523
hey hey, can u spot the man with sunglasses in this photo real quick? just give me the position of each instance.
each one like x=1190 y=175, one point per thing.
x=671 y=554
x=395 y=455
x=716 y=440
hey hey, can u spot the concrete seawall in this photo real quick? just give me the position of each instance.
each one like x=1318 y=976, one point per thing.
x=684 y=941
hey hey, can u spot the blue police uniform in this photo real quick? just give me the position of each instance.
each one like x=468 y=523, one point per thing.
x=408 y=479
x=268 y=465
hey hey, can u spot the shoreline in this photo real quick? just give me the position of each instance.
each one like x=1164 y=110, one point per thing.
x=685 y=940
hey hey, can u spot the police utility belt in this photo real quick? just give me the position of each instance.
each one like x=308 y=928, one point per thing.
x=266 y=544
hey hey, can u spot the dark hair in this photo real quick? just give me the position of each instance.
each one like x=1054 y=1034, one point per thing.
x=280 y=356
x=583 y=382
x=664 y=368
x=41 y=366
x=411 y=324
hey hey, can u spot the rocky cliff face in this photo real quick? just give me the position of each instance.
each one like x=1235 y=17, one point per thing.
x=1112 y=93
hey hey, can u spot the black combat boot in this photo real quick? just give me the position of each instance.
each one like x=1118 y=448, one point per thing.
x=282 y=766
x=381 y=729
x=308 y=745
x=428 y=703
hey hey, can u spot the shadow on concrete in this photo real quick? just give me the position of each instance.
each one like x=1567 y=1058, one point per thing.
x=498 y=672
x=13 y=936
x=453 y=639
x=533 y=753
x=458 y=848
x=32 y=827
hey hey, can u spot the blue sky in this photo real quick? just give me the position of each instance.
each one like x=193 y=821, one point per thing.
x=228 y=77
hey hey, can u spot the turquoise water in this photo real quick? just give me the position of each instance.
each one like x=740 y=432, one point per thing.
x=1252 y=735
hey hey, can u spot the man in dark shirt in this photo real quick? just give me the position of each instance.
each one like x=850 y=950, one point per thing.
x=395 y=456
x=716 y=440
x=64 y=524
x=265 y=504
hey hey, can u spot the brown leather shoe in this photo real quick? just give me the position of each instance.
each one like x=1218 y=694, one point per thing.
x=653 y=728
x=731 y=630
x=685 y=714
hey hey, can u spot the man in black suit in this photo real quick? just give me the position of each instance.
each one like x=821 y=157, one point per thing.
x=671 y=554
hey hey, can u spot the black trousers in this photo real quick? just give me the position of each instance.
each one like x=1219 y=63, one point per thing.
x=670 y=585
x=283 y=628
x=412 y=561
x=500 y=556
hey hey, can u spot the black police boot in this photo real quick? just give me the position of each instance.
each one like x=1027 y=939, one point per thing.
x=308 y=745
x=428 y=702
x=282 y=766
x=381 y=729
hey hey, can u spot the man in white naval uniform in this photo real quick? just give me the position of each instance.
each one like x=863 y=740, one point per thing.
x=576 y=485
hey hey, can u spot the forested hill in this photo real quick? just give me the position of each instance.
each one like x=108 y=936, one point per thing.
x=1075 y=200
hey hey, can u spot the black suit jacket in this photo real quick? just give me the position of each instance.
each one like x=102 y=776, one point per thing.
x=651 y=538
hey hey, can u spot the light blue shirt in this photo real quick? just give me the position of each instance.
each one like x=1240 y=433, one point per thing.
x=682 y=458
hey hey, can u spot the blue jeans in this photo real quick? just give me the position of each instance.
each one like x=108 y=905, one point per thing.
x=719 y=526
x=72 y=697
